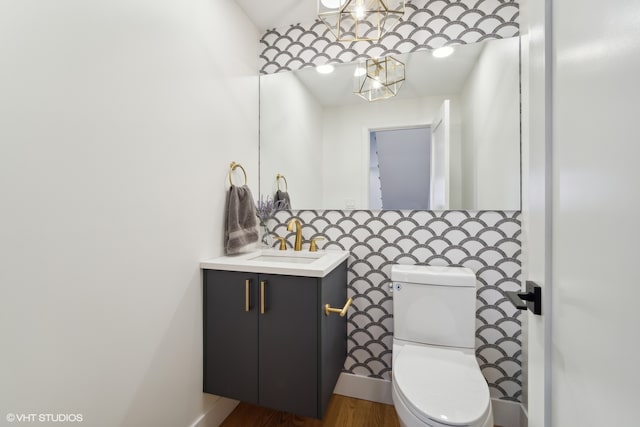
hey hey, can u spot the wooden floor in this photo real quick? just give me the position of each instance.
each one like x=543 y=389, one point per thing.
x=342 y=411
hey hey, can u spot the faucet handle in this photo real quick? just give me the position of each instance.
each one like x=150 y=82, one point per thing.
x=283 y=243
x=314 y=247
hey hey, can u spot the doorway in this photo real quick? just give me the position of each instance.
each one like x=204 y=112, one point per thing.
x=400 y=168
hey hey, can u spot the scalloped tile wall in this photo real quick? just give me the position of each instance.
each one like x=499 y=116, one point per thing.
x=488 y=242
x=427 y=24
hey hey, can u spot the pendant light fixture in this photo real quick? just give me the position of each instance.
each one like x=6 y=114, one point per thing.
x=379 y=78
x=357 y=20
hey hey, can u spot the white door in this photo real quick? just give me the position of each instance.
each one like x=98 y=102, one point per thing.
x=580 y=206
x=596 y=200
x=440 y=135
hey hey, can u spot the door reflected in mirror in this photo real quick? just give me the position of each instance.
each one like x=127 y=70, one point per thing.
x=317 y=133
x=400 y=166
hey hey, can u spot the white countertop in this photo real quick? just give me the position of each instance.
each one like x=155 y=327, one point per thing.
x=272 y=261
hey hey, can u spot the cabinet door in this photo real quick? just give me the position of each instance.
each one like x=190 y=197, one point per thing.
x=288 y=333
x=231 y=334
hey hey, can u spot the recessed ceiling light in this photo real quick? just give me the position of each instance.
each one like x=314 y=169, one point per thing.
x=333 y=4
x=325 y=69
x=442 y=52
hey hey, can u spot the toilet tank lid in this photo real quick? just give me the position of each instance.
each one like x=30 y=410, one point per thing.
x=433 y=275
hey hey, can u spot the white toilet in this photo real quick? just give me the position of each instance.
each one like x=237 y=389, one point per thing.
x=436 y=379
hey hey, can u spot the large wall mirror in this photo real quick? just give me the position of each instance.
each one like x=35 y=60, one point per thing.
x=450 y=139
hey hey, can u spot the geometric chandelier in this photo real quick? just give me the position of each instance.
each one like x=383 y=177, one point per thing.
x=379 y=78
x=357 y=20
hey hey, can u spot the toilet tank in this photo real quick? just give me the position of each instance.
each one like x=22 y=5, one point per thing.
x=434 y=305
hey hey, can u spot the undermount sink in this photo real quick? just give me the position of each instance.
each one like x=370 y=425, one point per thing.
x=294 y=263
x=299 y=257
x=271 y=258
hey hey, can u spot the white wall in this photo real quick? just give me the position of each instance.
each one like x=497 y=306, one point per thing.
x=118 y=120
x=290 y=139
x=345 y=131
x=491 y=131
x=596 y=198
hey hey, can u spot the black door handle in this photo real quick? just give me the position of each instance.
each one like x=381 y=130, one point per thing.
x=532 y=299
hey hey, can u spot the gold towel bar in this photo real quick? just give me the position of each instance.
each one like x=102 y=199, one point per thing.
x=286 y=184
x=341 y=311
x=233 y=167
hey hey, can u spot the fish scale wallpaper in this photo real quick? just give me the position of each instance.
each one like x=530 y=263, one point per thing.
x=427 y=24
x=488 y=242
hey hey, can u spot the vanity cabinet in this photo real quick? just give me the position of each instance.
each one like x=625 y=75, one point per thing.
x=268 y=341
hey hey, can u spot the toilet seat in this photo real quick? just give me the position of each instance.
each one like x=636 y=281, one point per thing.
x=441 y=386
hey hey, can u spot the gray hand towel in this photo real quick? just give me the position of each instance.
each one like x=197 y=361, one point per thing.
x=283 y=200
x=241 y=223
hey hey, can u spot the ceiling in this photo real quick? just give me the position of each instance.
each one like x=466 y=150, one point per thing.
x=268 y=14
x=425 y=76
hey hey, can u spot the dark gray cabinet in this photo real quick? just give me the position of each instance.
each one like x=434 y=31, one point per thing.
x=268 y=341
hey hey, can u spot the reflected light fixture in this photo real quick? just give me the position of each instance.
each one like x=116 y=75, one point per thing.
x=382 y=79
x=357 y=20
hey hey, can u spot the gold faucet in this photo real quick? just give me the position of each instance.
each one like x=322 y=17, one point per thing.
x=297 y=246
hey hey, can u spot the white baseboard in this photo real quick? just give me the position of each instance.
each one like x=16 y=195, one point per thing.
x=373 y=389
x=505 y=413
x=524 y=417
x=217 y=412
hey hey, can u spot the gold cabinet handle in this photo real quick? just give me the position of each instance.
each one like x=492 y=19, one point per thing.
x=262 y=284
x=246 y=295
x=341 y=311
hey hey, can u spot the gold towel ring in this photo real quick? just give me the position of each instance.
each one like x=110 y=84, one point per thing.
x=286 y=184
x=233 y=167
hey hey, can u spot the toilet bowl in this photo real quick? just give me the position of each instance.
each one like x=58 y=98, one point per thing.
x=439 y=387
x=436 y=379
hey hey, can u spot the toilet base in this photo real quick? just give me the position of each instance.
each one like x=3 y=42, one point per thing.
x=408 y=419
